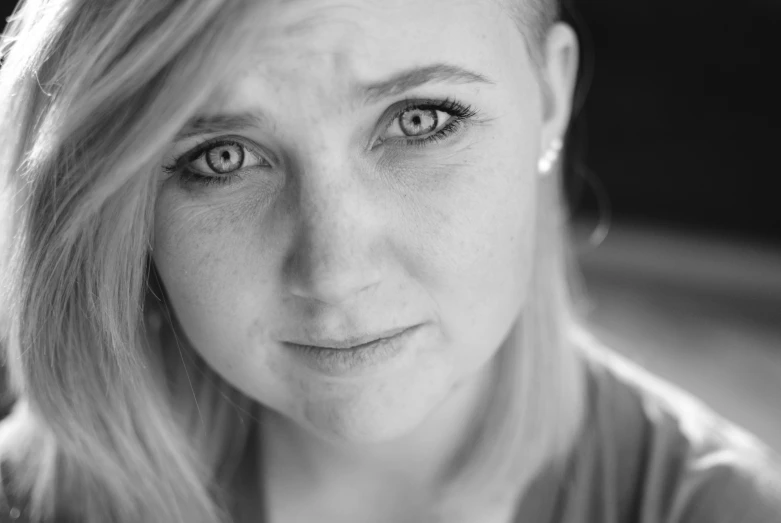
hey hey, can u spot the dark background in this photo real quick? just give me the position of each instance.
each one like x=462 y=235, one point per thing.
x=680 y=126
x=682 y=116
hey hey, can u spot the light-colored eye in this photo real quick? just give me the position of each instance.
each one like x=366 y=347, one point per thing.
x=416 y=122
x=225 y=157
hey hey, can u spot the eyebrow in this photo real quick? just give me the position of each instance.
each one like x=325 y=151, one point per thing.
x=401 y=82
x=218 y=123
x=417 y=76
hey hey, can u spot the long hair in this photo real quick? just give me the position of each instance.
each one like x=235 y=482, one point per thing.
x=114 y=411
x=91 y=92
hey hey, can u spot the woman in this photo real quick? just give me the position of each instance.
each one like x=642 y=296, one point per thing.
x=304 y=261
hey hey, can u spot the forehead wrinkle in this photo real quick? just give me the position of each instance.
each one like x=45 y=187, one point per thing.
x=310 y=51
x=322 y=76
x=317 y=79
x=317 y=17
x=297 y=53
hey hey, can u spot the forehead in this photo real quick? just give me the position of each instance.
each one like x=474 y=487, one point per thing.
x=331 y=45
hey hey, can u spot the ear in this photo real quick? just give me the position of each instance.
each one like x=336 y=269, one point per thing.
x=558 y=75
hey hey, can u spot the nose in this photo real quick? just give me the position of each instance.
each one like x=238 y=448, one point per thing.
x=335 y=256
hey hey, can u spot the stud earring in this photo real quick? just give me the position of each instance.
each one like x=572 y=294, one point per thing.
x=551 y=156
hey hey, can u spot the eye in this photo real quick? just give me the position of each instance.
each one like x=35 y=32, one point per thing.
x=216 y=162
x=419 y=121
x=223 y=158
x=425 y=122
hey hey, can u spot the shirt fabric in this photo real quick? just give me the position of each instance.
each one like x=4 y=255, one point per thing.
x=648 y=453
x=651 y=453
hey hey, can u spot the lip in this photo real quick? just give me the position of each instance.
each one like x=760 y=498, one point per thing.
x=348 y=342
x=359 y=360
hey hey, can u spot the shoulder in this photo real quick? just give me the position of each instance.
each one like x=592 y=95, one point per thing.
x=727 y=487
x=669 y=457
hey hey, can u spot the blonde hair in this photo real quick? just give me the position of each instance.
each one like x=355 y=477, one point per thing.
x=111 y=412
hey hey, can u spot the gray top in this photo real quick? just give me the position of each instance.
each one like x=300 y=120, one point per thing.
x=651 y=453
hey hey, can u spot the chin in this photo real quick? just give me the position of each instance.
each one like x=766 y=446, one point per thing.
x=373 y=417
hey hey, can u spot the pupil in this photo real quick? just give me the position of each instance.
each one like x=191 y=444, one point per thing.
x=418 y=121
x=225 y=158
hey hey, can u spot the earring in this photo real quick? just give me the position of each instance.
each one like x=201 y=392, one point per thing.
x=551 y=156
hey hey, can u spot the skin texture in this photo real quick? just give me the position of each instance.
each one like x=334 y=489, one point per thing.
x=337 y=226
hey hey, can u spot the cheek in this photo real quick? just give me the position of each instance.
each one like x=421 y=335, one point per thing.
x=184 y=250
x=213 y=276
x=197 y=252
x=475 y=246
x=498 y=226
x=490 y=243
x=476 y=212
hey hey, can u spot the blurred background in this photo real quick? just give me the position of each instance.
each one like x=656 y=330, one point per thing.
x=675 y=194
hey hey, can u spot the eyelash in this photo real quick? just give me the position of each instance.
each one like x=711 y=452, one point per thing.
x=188 y=177
x=459 y=113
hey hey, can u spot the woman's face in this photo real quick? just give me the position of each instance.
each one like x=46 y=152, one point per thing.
x=379 y=174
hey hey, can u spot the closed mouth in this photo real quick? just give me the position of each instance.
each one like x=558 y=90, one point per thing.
x=350 y=344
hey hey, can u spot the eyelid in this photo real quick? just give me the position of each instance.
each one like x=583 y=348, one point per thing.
x=447 y=105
